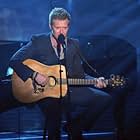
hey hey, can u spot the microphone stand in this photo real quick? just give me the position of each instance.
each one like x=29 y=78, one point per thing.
x=61 y=41
x=67 y=109
x=60 y=74
x=68 y=112
x=60 y=69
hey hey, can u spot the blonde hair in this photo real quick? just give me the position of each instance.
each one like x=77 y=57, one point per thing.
x=58 y=13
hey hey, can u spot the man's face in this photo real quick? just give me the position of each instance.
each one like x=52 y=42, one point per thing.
x=60 y=27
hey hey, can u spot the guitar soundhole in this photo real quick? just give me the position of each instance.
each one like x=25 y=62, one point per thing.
x=52 y=81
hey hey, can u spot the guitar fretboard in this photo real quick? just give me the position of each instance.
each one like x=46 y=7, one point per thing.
x=81 y=81
x=72 y=81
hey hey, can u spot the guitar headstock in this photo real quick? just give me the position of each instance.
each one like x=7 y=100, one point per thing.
x=116 y=80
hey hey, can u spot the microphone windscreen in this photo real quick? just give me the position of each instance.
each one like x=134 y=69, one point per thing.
x=61 y=39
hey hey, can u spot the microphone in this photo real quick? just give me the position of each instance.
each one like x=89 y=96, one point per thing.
x=61 y=40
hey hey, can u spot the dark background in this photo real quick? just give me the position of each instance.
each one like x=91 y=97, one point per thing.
x=108 y=31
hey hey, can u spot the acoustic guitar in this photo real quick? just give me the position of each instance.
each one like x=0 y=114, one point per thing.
x=28 y=91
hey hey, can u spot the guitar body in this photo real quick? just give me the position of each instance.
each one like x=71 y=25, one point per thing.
x=24 y=90
x=28 y=91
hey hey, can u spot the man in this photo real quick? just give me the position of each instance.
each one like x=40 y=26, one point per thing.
x=82 y=105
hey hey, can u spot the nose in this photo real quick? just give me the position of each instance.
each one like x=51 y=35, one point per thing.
x=61 y=31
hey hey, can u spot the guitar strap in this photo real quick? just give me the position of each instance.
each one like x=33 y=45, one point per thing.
x=85 y=61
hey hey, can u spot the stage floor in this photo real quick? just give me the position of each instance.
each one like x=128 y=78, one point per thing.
x=37 y=135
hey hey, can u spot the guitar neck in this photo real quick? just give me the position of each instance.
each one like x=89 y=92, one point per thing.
x=72 y=81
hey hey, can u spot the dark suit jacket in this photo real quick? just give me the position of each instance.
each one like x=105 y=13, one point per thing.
x=40 y=49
